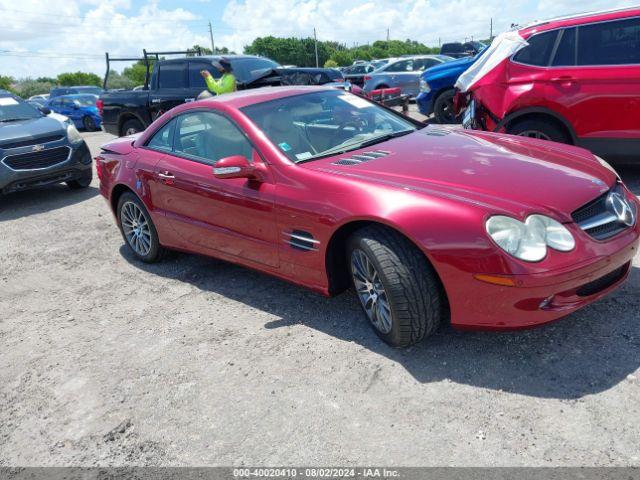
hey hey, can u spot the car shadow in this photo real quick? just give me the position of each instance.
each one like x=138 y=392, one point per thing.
x=585 y=353
x=30 y=202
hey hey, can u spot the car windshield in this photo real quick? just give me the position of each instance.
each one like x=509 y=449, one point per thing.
x=245 y=69
x=314 y=125
x=86 y=100
x=13 y=109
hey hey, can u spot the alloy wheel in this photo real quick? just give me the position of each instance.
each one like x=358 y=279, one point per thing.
x=370 y=291
x=136 y=228
x=534 y=134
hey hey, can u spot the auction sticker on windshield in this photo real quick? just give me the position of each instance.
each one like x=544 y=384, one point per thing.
x=355 y=101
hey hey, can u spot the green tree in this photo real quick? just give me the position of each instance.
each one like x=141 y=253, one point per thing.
x=136 y=73
x=6 y=83
x=28 y=87
x=330 y=64
x=79 y=78
x=119 y=81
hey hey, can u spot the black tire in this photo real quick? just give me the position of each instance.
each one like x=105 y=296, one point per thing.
x=156 y=251
x=88 y=124
x=415 y=295
x=130 y=127
x=541 y=129
x=443 y=110
x=83 y=182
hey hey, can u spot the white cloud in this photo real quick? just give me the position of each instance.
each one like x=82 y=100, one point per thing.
x=78 y=32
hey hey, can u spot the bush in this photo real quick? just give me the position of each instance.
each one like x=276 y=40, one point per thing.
x=330 y=64
x=27 y=88
x=79 y=78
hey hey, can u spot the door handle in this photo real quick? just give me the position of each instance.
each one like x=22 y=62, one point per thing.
x=189 y=100
x=156 y=100
x=563 y=79
x=166 y=177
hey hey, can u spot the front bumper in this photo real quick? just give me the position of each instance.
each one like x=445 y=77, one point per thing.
x=74 y=167
x=425 y=103
x=541 y=298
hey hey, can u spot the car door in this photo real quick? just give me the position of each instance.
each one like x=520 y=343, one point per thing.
x=596 y=80
x=170 y=88
x=400 y=74
x=232 y=216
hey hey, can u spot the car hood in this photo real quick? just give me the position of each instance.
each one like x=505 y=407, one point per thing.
x=459 y=64
x=513 y=174
x=33 y=128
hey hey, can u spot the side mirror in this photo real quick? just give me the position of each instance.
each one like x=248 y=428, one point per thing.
x=236 y=166
x=45 y=110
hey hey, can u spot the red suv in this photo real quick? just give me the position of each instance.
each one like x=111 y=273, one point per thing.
x=577 y=82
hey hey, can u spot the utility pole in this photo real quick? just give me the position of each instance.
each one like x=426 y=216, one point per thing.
x=491 y=29
x=213 y=50
x=315 y=40
x=387 y=35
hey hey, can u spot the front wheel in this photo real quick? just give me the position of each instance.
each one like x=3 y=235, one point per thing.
x=399 y=290
x=89 y=124
x=131 y=127
x=138 y=230
x=443 y=109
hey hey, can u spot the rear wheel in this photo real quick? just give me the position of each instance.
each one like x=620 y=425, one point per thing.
x=83 y=182
x=540 y=129
x=89 y=124
x=398 y=289
x=138 y=230
x=443 y=109
x=131 y=127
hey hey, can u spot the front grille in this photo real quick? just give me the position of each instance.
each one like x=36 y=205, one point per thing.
x=31 y=141
x=596 y=218
x=603 y=282
x=33 y=160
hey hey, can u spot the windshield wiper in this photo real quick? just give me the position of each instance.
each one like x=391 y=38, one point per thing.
x=356 y=145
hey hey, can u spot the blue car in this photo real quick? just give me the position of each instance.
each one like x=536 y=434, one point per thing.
x=81 y=110
x=437 y=88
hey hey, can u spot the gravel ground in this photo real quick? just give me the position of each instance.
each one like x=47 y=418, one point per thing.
x=106 y=361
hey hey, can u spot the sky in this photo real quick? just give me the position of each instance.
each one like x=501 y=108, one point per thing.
x=47 y=37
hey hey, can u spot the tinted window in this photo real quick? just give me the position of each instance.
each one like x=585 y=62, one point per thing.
x=539 y=49
x=610 y=43
x=403 y=66
x=172 y=75
x=451 y=48
x=566 y=53
x=163 y=138
x=195 y=79
x=209 y=137
x=424 y=63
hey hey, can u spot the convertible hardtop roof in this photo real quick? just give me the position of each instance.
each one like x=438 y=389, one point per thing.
x=579 y=19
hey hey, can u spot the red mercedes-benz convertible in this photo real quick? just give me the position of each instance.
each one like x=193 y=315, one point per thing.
x=326 y=189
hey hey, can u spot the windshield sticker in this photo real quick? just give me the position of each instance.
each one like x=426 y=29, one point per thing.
x=303 y=155
x=284 y=146
x=6 y=101
x=355 y=101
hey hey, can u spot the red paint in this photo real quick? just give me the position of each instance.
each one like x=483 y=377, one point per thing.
x=596 y=102
x=437 y=187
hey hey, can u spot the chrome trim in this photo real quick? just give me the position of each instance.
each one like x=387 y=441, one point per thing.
x=302 y=242
x=303 y=238
x=598 y=221
x=36 y=169
x=226 y=170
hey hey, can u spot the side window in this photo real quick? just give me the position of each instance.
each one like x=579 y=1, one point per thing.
x=172 y=75
x=195 y=79
x=610 y=43
x=163 y=139
x=539 y=49
x=566 y=52
x=403 y=66
x=208 y=137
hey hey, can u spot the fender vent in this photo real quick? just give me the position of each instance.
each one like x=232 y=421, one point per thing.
x=361 y=157
x=301 y=240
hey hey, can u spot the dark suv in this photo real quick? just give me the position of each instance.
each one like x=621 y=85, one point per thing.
x=37 y=150
x=458 y=50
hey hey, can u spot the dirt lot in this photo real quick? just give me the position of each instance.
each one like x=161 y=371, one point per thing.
x=106 y=361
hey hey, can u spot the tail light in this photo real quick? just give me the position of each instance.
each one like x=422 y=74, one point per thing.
x=99 y=167
x=100 y=105
x=366 y=78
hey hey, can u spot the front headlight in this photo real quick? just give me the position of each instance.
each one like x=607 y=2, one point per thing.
x=528 y=241
x=424 y=86
x=606 y=165
x=73 y=134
